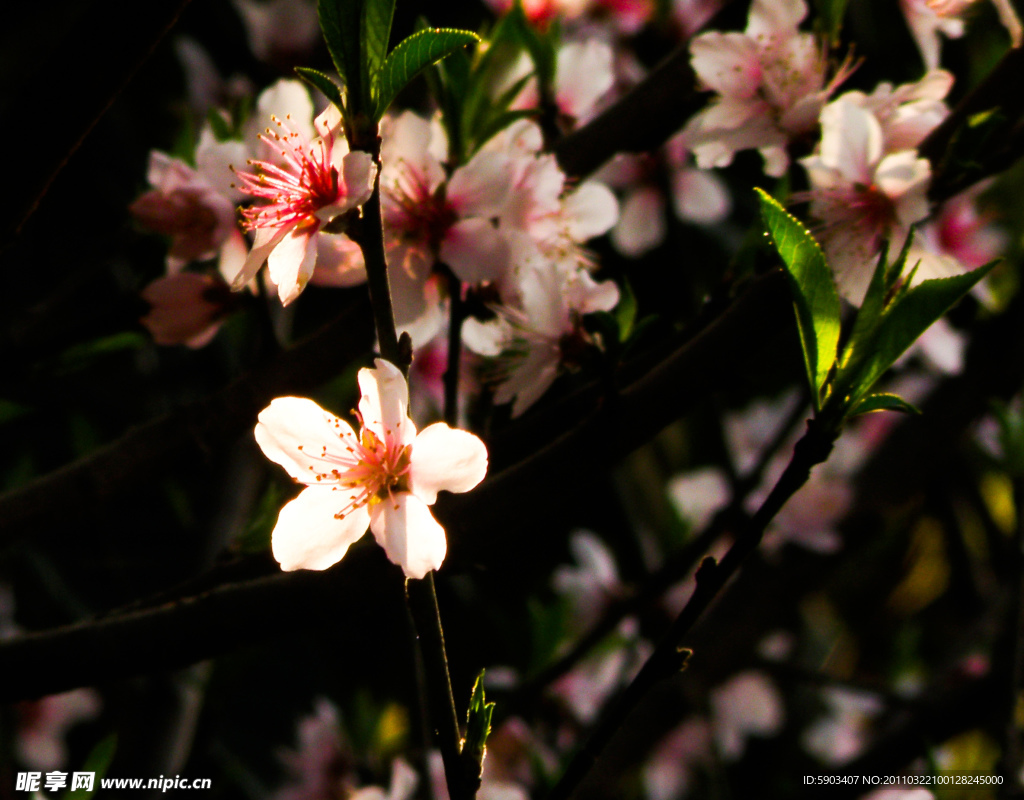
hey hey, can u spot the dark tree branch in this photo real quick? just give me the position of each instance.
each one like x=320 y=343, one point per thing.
x=642 y=120
x=746 y=331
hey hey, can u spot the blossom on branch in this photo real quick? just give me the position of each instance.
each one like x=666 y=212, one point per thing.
x=383 y=479
x=316 y=182
x=770 y=82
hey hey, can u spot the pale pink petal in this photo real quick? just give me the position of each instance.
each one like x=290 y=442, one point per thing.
x=293 y=432
x=288 y=99
x=232 y=258
x=925 y=26
x=406 y=148
x=776 y=161
x=446 y=459
x=542 y=290
x=475 y=250
x=531 y=378
x=359 y=172
x=590 y=211
x=181 y=312
x=308 y=535
x=851 y=140
x=585 y=295
x=641 y=226
x=328 y=123
x=727 y=62
x=291 y=263
x=486 y=338
x=385 y=402
x=339 y=262
x=904 y=177
x=409 y=534
x=584 y=73
x=699 y=196
x=266 y=240
x=214 y=161
x=480 y=188
x=774 y=17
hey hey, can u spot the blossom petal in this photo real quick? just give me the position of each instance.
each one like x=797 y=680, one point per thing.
x=266 y=240
x=851 y=140
x=358 y=171
x=385 y=402
x=308 y=535
x=699 y=196
x=445 y=458
x=291 y=263
x=772 y=17
x=590 y=211
x=480 y=188
x=475 y=250
x=293 y=432
x=727 y=62
x=584 y=73
x=641 y=225
x=409 y=534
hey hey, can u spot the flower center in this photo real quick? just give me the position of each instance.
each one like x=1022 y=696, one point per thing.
x=416 y=214
x=307 y=182
x=873 y=208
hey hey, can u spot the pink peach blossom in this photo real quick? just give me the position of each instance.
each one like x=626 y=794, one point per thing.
x=317 y=182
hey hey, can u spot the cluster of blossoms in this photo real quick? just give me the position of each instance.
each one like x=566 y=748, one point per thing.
x=504 y=233
x=770 y=83
x=868 y=184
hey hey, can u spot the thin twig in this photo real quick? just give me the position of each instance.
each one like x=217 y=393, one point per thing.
x=655 y=584
x=669 y=656
x=421 y=595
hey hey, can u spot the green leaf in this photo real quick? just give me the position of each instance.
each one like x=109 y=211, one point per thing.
x=907 y=318
x=816 y=299
x=220 y=126
x=1011 y=438
x=412 y=55
x=318 y=80
x=98 y=761
x=883 y=401
x=340 y=23
x=478 y=722
x=377 y=16
x=625 y=311
x=881 y=293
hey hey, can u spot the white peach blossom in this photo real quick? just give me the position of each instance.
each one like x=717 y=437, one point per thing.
x=862 y=195
x=385 y=478
x=770 y=82
x=545 y=336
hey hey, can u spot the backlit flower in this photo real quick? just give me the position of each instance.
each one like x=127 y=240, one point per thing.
x=862 y=195
x=383 y=479
x=316 y=182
